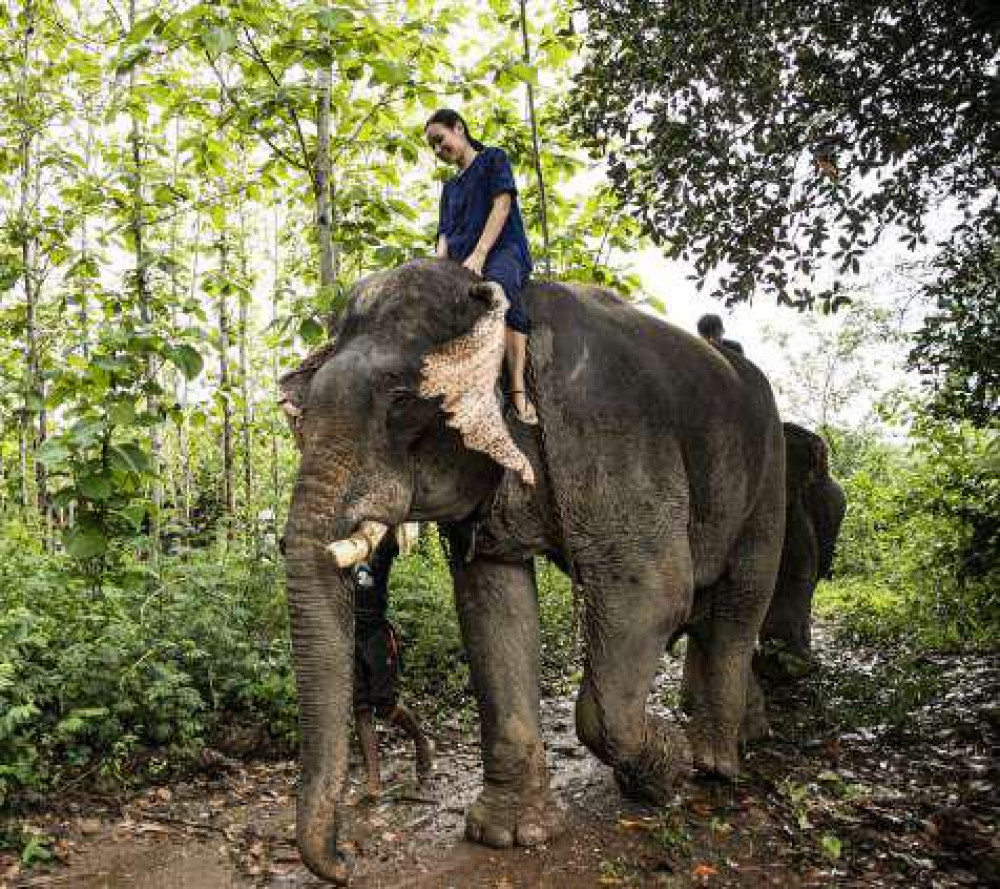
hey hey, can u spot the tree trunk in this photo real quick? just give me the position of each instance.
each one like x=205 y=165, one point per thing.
x=87 y=281
x=30 y=436
x=228 y=485
x=172 y=487
x=142 y=292
x=275 y=301
x=244 y=370
x=533 y=120
x=322 y=174
x=187 y=483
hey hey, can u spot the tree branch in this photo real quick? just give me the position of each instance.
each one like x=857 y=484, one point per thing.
x=284 y=155
x=291 y=108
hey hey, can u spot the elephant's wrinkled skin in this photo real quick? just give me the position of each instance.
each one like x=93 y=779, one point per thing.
x=659 y=478
x=815 y=507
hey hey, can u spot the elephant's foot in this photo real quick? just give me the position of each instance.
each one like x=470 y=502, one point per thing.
x=779 y=662
x=754 y=726
x=663 y=763
x=505 y=818
x=714 y=748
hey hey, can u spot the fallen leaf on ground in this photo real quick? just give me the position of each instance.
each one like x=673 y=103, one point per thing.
x=637 y=823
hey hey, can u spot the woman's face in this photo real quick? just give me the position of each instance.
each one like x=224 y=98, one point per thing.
x=448 y=144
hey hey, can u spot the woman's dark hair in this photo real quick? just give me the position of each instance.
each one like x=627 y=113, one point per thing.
x=450 y=119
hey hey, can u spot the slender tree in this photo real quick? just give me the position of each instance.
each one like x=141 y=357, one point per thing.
x=536 y=153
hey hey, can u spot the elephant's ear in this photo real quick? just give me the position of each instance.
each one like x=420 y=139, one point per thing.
x=464 y=373
x=293 y=386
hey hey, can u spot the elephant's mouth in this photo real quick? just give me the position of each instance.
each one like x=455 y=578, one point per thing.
x=359 y=546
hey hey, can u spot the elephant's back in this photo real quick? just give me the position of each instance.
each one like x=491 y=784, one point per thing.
x=673 y=432
x=603 y=350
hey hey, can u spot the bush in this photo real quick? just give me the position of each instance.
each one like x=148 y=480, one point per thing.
x=919 y=553
x=160 y=666
x=135 y=674
x=423 y=610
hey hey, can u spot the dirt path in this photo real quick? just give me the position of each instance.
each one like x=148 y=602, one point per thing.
x=880 y=772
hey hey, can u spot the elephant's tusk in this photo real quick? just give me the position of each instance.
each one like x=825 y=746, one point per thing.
x=359 y=546
x=407 y=536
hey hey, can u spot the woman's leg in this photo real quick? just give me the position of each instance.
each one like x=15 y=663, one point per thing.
x=516 y=346
x=505 y=270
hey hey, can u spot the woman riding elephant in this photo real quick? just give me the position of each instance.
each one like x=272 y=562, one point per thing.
x=655 y=477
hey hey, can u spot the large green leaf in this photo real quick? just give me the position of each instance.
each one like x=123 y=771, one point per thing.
x=132 y=56
x=85 y=541
x=95 y=487
x=391 y=73
x=334 y=18
x=186 y=359
x=218 y=40
x=311 y=331
x=130 y=458
x=52 y=454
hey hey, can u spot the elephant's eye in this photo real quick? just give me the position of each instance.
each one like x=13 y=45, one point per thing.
x=407 y=415
x=400 y=396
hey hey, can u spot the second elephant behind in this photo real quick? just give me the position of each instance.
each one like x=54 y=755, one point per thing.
x=814 y=510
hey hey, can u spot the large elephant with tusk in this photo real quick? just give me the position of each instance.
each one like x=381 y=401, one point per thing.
x=656 y=479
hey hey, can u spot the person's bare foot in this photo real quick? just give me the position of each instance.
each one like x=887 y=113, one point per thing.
x=526 y=412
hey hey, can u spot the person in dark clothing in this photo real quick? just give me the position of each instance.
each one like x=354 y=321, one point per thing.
x=376 y=666
x=710 y=328
x=480 y=226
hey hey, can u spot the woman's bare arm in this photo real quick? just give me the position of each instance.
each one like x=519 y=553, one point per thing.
x=491 y=231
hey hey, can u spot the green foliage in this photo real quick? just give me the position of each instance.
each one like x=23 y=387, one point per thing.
x=157 y=666
x=558 y=628
x=759 y=139
x=434 y=664
x=122 y=682
x=958 y=346
x=919 y=553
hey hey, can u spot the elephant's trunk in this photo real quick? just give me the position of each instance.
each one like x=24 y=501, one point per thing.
x=321 y=605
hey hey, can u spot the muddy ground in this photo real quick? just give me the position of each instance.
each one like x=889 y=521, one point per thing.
x=881 y=771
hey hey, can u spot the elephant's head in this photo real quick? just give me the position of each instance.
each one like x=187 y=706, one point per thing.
x=806 y=457
x=813 y=494
x=397 y=419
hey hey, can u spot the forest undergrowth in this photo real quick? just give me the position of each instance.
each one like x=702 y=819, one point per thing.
x=143 y=669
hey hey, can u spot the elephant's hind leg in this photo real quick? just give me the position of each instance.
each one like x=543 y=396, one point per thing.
x=498 y=611
x=719 y=686
x=630 y=616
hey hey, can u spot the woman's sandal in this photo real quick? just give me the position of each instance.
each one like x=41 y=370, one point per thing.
x=528 y=416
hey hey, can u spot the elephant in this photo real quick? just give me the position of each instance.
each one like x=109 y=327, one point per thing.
x=815 y=506
x=655 y=479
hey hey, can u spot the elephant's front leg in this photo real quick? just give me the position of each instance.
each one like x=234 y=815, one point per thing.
x=498 y=612
x=630 y=615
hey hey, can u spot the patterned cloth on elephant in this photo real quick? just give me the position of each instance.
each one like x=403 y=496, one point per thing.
x=376 y=648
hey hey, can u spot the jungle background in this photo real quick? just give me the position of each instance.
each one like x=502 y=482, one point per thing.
x=188 y=190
